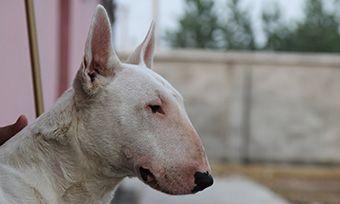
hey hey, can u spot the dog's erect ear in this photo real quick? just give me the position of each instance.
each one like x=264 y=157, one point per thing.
x=100 y=61
x=99 y=55
x=144 y=52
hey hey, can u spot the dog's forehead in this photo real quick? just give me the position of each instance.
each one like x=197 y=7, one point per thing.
x=141 y=77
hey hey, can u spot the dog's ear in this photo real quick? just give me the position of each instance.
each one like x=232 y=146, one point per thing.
x=100 y=62
x=145 y=51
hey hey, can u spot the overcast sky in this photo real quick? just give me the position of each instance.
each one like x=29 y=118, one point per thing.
x=134 y=17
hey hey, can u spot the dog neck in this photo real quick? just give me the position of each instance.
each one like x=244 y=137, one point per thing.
x=50 y=147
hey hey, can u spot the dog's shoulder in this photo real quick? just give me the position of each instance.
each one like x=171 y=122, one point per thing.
x=14 y=189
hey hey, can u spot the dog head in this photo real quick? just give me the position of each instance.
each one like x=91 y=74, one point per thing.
x=135 y=121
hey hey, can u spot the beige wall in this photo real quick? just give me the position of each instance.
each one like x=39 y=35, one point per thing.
x=260 y=106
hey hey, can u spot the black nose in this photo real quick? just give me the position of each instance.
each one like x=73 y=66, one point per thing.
x=202 y=181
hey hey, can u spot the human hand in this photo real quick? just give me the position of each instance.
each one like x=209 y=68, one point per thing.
x=9 y=131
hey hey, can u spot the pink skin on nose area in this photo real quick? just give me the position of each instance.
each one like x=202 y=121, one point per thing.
x=175 y=182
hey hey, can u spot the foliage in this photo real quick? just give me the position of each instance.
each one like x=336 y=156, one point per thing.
x=237 y=28
x=202 y=26
x=317 y=32
x=198 y=26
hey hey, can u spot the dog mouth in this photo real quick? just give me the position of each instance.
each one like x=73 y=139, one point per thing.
x=148 y=177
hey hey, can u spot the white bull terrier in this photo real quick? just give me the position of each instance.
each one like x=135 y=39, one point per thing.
x=118 y=120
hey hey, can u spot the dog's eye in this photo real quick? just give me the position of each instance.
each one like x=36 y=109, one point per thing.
x=156 y=109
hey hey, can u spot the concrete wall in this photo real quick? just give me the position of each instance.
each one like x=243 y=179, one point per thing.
x=271 y=107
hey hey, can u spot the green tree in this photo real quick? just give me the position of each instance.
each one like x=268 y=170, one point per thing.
x=198 y=27
x=202 y=26
x=237 y=29
x=317 y=32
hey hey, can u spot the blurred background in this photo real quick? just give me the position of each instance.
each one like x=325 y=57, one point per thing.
x=260 y=79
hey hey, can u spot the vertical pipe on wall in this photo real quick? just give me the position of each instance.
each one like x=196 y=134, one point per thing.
x=64 y=44
x=247 y=111
x=34 y=57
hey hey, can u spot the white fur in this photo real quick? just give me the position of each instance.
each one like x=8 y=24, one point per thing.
x=101 y=131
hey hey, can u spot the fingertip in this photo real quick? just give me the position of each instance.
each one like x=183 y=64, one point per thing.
x=21 y=121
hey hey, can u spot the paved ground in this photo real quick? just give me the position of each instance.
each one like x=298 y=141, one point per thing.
x=298 y=184
x=228 y=190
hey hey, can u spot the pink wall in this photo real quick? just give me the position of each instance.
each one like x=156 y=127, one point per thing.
x=15 y=78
